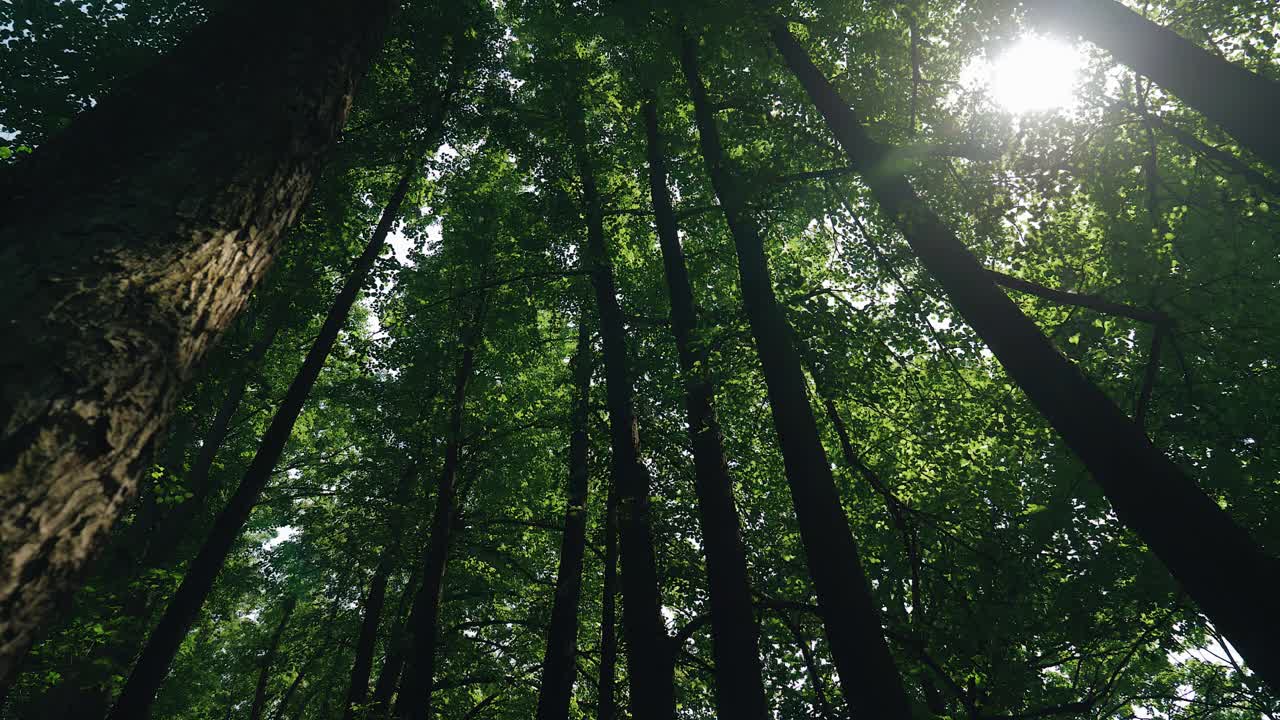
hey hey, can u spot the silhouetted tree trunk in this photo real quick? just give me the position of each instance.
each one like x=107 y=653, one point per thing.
x=559 y=666
x=868 y=676
x=413 y=702
x=649 y=666
x=164 y=542
x=153 y=664
x=606 y=690
x=131 y=242
x=1230 y=577
x=735 y=635
x=358 y=689
x=1242 y=102
x=269 y=658
x=393 y=662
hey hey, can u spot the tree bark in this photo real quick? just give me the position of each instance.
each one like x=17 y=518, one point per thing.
x=649 y=662
x=607 y=706
x=559 y=666
x=131 y=242
x=735 y=633
x=153 y=664
x=413 y=702
x=375 y=598
x=868 y=676
x=1242 y=102
x=264 y=670
x=1229 y=578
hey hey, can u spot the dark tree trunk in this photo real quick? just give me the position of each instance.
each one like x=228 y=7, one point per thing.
x=607 y=706
x=734 y=632
x=1244 y=103
x=268 y=659
x=358 y=690
x=162 y=545
x=1229 y=578
x=868 y=676
x=559 y=666
x=153 y=664
x=413 y=702
x=131 y=242
x=649 y=662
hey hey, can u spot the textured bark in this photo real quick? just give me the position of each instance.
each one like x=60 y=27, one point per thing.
x=735 y=634
x=606 y=690
x=1230 y=577
x=131 y=242
x=868 y=676
x=153 y=664
x=413 y=702
x=375 y=598
x=649 y=668
x=269 y=658
x=1243 y=103
x=559 y=665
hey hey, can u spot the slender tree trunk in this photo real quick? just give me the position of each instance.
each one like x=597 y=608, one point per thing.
x=413 y=701
x=734 y=632
x=1230 y=577
x=358 y=690
x=850 y=615
x=607 y=706
x=393 y=663
x=269 y=658
x=649 y=661
x=131 y=241
x=559 y=666
x=149 y=671
x=1243 y=103
x=162 y=545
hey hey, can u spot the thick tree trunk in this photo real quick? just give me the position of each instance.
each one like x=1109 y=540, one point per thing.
x=1230 y=577
x=607 y=708
x=269 y=658
x=850 y=615
x=734 y=632
x=413 y=702
x=559 y=666
x=149 y=671
x=130 y=243
x=649 y=666
x=375 y=598
x=1244 y=103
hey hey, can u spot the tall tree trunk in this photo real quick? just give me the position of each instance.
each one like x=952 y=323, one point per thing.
x=413 y=702
x=375 y=598
x=868 y=676
x=269 y=658
x=606 y=704
x=153 y=664
x=1229 y=578
x=649 y=662
x=734 y=632
x=1242 y=102
x=162 y=545
x=130 y=243
x=393 y=662
x=559 y=666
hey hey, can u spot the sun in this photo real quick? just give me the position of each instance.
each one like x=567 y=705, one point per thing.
x=1036 y=74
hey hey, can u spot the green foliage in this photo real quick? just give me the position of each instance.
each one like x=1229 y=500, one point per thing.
x=1014 y=592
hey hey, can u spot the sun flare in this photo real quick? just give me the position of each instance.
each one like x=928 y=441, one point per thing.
x=1036 y=74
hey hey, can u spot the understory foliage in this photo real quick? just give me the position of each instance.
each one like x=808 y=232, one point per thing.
x=1007 y=586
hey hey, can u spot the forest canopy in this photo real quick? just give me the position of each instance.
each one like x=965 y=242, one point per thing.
x=489 y=359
